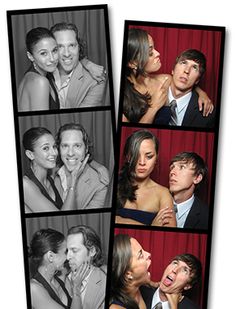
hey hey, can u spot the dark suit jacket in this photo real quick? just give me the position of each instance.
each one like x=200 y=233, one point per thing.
x=147 y=294
x=193 y=117
x=198 y=215
x=84 y=90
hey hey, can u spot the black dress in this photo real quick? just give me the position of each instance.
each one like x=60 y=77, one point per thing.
x=51 y=292
x=58 y=201
x=53 y=104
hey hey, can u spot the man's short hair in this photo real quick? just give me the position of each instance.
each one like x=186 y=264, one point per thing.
x=90 y=239
x=195 y=55
x=198 y=163
x=194 y=264
x=69 y=26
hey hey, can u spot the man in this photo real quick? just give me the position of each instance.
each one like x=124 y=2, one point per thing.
x=84 y=248
x=180 y=275
x=76 y=86
x=189 y=68
x=187 y=171
x=75 y=153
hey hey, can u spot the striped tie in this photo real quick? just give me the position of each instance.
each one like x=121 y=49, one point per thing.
x=173 y=120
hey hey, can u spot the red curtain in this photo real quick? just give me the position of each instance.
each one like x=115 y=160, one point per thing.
x=164 y=246
x=171 y=143
x=172 y=41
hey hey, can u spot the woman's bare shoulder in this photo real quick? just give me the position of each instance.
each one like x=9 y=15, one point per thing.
x=159 y=188
x=36 y=80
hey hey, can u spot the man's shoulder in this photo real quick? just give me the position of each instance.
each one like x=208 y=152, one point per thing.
x=202 y=206
x=99 y=171
x=187 y=303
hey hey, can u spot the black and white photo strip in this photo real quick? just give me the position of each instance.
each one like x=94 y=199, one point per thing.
x=64 y=116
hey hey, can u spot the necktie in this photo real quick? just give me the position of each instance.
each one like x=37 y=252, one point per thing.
x=175 y=208
x=158 y=306
x=173 y=120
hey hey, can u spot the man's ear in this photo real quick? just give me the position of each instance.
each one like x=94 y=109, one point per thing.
x=92 y=251
x=30 y=57
x=197 y=179
x=29 y=154
x=187 y=287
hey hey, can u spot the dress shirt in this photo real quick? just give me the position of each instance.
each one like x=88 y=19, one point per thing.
x=183 y=211
x=156 y=299
x=62 y=88
x=182 y=104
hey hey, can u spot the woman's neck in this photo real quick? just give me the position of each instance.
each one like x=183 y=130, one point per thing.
x=40 y=173
x=39 y=70
x=46 y=272
x=142 y=182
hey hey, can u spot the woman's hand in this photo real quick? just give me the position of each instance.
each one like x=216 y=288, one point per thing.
x=159 y=96
x=204 y=102
x=163 y=217
x=75 y=174
x=78 y=275
x=174 y=299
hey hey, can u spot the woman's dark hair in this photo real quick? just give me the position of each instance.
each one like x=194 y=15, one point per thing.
x=43 y=241
x=121 y=260
x=69 y=26
x=90 y=239
x=76 y=127
x=35 y=35
x=31 y=136
x=126 y=187
x=136 y=104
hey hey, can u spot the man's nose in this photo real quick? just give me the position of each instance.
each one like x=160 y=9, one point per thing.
x=71 y=151
x=173 y=171
x=187 y=69
x=66 y=51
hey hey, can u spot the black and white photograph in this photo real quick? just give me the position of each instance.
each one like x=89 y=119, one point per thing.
x=67 y=261
x=67 y=161
x=60 y=58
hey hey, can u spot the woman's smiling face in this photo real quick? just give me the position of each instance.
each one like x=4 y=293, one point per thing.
x=45 y=55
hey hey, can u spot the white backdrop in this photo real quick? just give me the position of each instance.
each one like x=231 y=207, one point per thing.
x=211 y=12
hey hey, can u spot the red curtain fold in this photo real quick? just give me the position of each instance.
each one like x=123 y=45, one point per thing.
x=171 y=143
x=164 y=246
x=172 y=41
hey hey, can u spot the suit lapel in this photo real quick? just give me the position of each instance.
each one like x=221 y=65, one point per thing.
x=74 y=87
x=194 y=215
x=191 y=111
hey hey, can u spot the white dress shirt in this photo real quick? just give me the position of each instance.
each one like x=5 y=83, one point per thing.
x=183 y=211
x=156 y=299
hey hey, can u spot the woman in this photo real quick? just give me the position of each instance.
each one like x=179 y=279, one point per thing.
x=37 y=90
x=130 y=265
x=145 y=93
x=40 y=193
x=47 y=256
x=140 y=199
